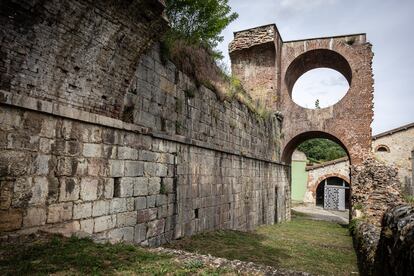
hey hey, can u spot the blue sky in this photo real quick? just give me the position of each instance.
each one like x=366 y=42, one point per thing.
x=389 y=26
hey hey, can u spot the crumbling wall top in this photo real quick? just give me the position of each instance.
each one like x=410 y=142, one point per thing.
x=253 y=37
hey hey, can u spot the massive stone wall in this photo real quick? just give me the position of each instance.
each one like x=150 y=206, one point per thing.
x=161 y=160
x=83 y=53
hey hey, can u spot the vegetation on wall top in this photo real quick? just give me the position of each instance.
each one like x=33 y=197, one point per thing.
x=199 y=22
x=190 y=44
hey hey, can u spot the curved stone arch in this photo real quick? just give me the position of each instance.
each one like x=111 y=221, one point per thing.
x=302 y=137
x=312 y=187
x=329 y=175
x=313 y=59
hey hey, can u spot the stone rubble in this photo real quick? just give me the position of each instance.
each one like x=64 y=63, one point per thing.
x=241 y=268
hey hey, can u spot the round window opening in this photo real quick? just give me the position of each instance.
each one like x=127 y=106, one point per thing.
x=319 y=88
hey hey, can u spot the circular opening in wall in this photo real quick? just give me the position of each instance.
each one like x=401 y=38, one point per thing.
x=320 y=74
x=319 y=88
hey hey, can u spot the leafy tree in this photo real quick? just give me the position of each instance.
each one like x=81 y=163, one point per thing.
x=317 y=106
x=199 y=21
x=321 y=150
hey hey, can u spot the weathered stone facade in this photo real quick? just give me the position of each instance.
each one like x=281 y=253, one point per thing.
x=375 y=188
x=269 y=67
x=318 y=173
x=400 y=153
x=97 y=135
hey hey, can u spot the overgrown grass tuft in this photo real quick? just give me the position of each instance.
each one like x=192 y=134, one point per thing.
x=82 y=256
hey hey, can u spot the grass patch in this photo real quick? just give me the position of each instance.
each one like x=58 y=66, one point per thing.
x=317 y=247
x=81 y=256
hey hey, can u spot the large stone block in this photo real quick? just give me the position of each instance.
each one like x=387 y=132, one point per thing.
x=39 y=191
x=69 y=189
x=82 y=210
x=154 y=185
x=104 y=223
x=22 y=191
x=87 y=225
x=149 y=156
x=155 y=169
x=140 y=203
x=41 y=164
x=161 y=200
x=92 y=150
x=126 y=219
x=89 y=188
x=155 y=228
x=108 y=188
x=59 y=212
x=134 y=168
x=35 y=216
x=118 y=205
x=140 y=233
x=151 y=200
x=147 y=215
x=141 y=186
x=124 y=187
x=127 y=153
x=122 y=234
x=116 y=168
x=6 y=194
x=100 y=208
x=10 y=220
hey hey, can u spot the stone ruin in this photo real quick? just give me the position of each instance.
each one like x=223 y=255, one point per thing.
x=98 y=134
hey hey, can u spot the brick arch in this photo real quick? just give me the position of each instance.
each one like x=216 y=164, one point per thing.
x=317 y=58
x=329 y=175
x=349 y=120
x=302 y=137
x=314 y=185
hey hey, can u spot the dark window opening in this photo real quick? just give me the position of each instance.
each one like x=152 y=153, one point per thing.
x=117 y=186
x=196 y=213
x=382 y=149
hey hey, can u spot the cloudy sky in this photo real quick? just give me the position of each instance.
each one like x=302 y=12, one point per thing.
x=389 y=25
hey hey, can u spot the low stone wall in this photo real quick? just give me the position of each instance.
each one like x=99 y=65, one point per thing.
x=395 y=252
x=389 y=249
x=365 y=237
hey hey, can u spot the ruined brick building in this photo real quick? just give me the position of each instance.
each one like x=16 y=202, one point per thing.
x=393 y=147
x=97 y=134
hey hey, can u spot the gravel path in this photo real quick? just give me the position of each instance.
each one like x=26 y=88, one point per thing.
x=319 y=213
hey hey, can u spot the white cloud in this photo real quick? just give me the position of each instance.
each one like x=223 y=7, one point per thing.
x=304 y=5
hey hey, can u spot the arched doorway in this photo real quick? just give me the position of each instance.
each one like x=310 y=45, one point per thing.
x=333 y=193
x=300 y=138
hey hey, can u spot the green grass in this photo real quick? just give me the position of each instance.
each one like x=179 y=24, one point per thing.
x=316 y=247
x=81 y=256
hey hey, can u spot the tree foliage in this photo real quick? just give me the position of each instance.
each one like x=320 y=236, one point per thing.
x=199 y=21
x=321 y=150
